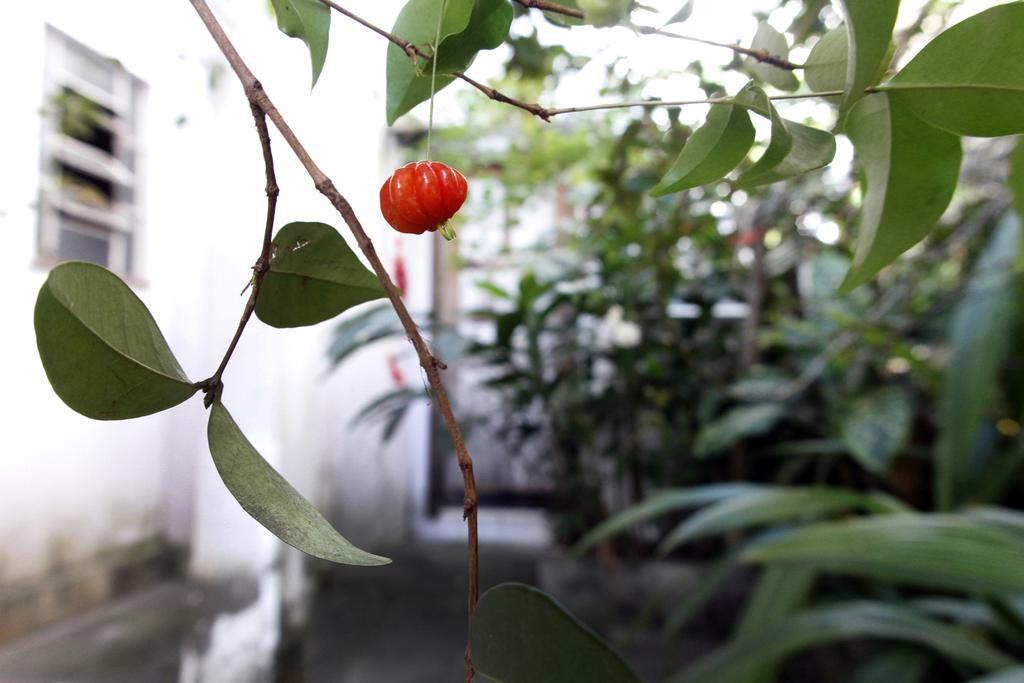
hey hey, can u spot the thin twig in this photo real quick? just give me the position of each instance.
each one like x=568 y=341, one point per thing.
x=415 y=54
x=683 y=102
x=258 y=96
x=546 y=6
x=759 y=55
x=212 y=386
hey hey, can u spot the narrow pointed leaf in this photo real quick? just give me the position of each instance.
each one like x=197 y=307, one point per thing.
x=770 y=505
x=869 y=37
x=970 y=79
x=780 y=591
x=658 y=504
x=826 y=65
x=520 y=635
x=911 y=171
x=271 y=500
x=1009 y=675
x=794 y=149
x=467 y=28
x=774 y=43
x=876 y=427
x=901 y=663
x=711 y=152
x=744 y=657
x=735 y=425
x=310 y=22
x=934 y=551
x=682 y=14
x=981 y=335
x=100 y=347
x=314 y=275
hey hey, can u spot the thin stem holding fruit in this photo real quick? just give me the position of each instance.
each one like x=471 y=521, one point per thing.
x=431 y=365
x=212 y=386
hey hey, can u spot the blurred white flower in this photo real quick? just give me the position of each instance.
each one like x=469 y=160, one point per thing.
x=615 y=331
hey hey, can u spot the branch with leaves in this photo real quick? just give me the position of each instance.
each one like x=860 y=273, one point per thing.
x=259 y=98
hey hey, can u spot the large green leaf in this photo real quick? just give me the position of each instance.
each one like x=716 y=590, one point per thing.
x=520 y=635
x=735 y=425
x=1016 y=179
x=970 y=79
x=314 y=275
x=743 y=657
x=310 y=22
x=936 y=551
x=770 y=505
x=869 y=36
x=794 y=149
x=711 y=152
x=467 y=28
x=911 y=170
x=271 y=500
x=774 y=43
x=102 y=351
x=876 y=426
x=825 y=67
x=981 y=332
x=658 y=504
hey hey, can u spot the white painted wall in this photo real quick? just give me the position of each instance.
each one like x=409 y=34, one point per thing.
x=71 y=487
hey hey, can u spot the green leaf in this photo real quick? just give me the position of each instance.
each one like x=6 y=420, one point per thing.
x=936 y=551
x=101 y=349
x=520 y=635
x=467 y=28
x=794 y=149
x=899 y=663
x=658 y=504
x=1016 y=180
x=310 y=22
x=869 y=37
x=1010 y=675
x=780 y=591
x=769 y=505
x=774 y=43
x=271 y=500
x=682 y=14
x=911 y=171
x=314 y=275
x=711 y=579
x=826 y=65
x=970 y=79
x=371 y=324
x=982 y=329
x=711 y=151
x=876 y=426
x=735 y=425
x=745 y=656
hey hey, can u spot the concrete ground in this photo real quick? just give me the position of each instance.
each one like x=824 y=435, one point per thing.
x=402 y=623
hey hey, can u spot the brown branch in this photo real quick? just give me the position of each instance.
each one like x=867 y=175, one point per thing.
x=760 y=55
x=258 y=96
x=213 y=386
x=415 y=54
x=546 y=6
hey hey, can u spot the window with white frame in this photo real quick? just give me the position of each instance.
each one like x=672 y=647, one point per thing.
x=89 y=199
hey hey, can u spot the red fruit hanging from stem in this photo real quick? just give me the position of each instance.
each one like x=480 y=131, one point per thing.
x=422 y=196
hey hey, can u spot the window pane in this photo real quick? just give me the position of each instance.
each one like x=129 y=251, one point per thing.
x=90 y=67
x=76 y=244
